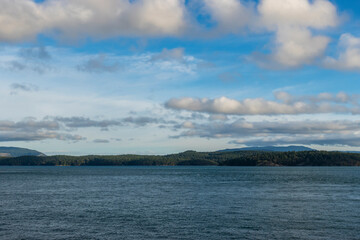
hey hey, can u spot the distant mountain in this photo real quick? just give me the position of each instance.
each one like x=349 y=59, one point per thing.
x=18 y=152
x=270 y=149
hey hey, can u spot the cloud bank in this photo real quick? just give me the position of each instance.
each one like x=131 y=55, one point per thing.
x=284 y=104
x=24 y=19
x=307 y=132
x=294 y=23
x=31 y=129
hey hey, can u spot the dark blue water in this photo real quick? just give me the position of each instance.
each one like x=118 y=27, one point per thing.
x=179 y=203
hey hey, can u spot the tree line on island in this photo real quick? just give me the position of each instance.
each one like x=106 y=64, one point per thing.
x=236 y=158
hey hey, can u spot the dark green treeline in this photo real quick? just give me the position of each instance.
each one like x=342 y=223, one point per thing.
x=240 y=158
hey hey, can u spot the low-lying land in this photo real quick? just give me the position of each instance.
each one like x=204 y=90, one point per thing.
x=236 y=158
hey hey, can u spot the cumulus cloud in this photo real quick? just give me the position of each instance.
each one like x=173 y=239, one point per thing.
x=297 y=46
x=21 y=19
x=317 y=14
x=293 y=21
x=284 y=104
x=231 y=16
x=349 y=54
x=25 y=19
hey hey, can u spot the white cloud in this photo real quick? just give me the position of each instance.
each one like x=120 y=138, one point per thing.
x=24 y=19
x=349 y=55
x=231 y=16
x=285 y=104
x=297 y=46
x=293 y=21
x=20 y=19
x=317 y=14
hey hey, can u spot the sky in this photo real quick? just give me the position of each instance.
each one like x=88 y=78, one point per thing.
x=164 y=76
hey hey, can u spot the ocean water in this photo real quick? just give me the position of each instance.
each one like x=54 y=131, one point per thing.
x=180 y=203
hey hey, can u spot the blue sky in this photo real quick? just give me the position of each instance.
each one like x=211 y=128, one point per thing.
x=163 y=76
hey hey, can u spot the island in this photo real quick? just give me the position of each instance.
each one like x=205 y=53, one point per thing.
x=193 y=158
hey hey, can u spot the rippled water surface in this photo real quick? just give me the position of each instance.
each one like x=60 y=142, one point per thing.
x=179 y=203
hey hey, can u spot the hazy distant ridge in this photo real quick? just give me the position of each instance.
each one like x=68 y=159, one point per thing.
x=270 y=149
x=18 y=152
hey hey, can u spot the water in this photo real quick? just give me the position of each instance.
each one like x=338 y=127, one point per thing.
x=179 y=203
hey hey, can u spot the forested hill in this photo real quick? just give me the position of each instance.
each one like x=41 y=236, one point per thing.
x=17 y=152
x=242 y=158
